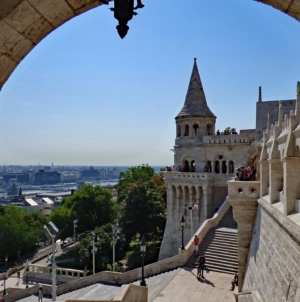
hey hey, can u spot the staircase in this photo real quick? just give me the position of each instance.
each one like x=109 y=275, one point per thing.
x=220 y=247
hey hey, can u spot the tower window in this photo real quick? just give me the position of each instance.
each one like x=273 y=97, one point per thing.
x=186 y=130
x=196 y=130
x=217 y=167
x=231 y=167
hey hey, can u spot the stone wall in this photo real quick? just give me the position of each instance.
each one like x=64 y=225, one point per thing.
x=219 y=194
x=273 y=267
x=271 y=107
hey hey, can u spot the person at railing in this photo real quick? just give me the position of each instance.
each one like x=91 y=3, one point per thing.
x=218 y=132
x=252 y=175
x=240 y=174
x=179 y=168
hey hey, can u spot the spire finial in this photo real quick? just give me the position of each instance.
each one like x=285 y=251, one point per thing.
x=259 y=94
x=195 y=59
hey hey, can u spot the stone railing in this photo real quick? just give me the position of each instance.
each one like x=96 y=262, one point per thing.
x=247 y=296
x=42 y=274
x=204 y=176
x=227 y=139
x=133 y=275
x=243 y=189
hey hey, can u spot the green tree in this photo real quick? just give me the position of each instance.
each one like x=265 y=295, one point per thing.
x=141 y=194
x=19 y=230
x=92 y=206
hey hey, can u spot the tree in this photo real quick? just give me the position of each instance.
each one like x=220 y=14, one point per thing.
x=19 y=230
x=92 y=206
x=141 y=194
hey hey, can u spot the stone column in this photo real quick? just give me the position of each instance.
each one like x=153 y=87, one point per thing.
x=291 y=168
x=170 y=202
x=178 y=212
x=244 y=213
x=264 y=177
x=276 y=178
x=206 y=198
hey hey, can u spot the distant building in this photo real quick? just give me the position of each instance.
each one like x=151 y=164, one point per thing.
x=42 y=177
x=90 y=173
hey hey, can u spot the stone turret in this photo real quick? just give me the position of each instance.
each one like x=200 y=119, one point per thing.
x=195 y=118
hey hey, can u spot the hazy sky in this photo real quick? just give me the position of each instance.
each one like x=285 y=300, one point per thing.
x=84 y=96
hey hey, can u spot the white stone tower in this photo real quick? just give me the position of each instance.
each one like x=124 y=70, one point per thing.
x=194 y=121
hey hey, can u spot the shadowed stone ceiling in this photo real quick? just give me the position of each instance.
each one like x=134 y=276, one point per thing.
x=24 y=23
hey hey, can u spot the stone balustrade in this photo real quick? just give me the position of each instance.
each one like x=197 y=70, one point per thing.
x=227 y=139
x=243 y=189
x=34 y=268
x=188 y=175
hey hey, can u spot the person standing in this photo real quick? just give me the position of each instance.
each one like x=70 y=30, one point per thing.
x=196 y=245
x=201 y=265
x=41 y=294
x=234 y=281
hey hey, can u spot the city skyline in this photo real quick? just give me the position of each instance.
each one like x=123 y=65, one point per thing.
x=85 y=97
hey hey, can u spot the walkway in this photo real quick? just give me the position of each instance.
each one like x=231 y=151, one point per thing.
x=186 y=288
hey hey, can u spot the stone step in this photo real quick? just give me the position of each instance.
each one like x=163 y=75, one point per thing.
x=214 y=243
x=222 y=238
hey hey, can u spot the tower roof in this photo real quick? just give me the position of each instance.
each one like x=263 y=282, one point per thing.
x=195 y=101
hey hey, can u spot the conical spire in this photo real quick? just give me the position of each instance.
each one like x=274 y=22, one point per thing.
x=195 y=101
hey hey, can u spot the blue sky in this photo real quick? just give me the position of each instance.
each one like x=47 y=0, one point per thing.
x=84 y=96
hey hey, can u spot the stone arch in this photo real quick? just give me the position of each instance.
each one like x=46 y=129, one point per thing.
x=178 y=134
x=186 y=166
x=27 y=22
x=208 y=168
x=195 y=129
x=210 y=130
x=231 y=167
x=217 y=167
x=224 y=167
x=193 y=166
x=186 y=130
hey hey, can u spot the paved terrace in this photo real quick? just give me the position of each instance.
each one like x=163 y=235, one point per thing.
x=177 y=285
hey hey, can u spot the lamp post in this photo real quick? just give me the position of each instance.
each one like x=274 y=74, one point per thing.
x=123 y=12
x=6 y=259
x=182 y=222
x=191 y=208
x=115 y=238
x=94 y=250
x=27 y=269
x=143 y=253
x=75 y=226
x=51 y=232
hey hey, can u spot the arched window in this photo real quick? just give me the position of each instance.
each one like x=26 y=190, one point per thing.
x=231 y=167
x=196 y=130
x=209 y=129
x=217 y=167
x=207 y=168
x=178 y=130
x=224 y=167
x=186 y=166
x=193 y=166
x=186 y=130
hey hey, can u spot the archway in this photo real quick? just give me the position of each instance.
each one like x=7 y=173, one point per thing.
x=24 y=23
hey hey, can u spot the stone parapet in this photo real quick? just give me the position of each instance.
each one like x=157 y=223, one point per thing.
x=182 y=176
x=243 y=189
x=242 y=196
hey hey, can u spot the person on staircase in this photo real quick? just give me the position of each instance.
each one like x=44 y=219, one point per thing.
x=196 y=245
x=201 y=266
x=234 y=281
